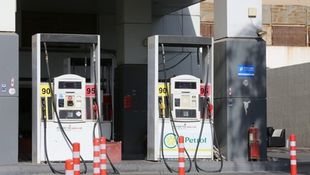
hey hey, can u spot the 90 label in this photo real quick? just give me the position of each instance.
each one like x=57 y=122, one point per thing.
x=45 y=90
x=162 y=90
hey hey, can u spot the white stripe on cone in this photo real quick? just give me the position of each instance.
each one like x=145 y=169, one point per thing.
x=293 y=152
x=76 y=167
x=181 y=164
x=76 y=154
x=103 y=156
x=96 y=148
x=293 y=162
x=293 y=143
x=69 y=172
x=96 y=159
x=96 y=170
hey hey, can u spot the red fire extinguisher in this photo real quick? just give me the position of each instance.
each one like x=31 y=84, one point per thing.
x=253 y=143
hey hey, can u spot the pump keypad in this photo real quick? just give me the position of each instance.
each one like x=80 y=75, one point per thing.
x=61 y=103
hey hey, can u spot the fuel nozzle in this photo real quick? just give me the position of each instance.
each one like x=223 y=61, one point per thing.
x=43 y=108
x=209 y=107
x=95 y=106
x=162 y=106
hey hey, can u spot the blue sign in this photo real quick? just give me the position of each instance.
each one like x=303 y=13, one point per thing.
x=246 y=70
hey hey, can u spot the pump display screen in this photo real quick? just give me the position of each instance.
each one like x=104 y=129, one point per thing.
x=185 y=85
x=70 y=85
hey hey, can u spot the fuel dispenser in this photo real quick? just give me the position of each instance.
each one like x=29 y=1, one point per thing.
x=175 y=106
x=71 y=116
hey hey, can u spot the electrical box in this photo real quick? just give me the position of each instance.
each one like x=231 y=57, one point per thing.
x=69 y=91
x=237 y=18
x=185 y=90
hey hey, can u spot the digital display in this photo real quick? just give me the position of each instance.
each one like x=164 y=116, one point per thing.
x=70 y=85
x=185 y=85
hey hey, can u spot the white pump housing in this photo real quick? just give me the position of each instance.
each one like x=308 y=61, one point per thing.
x=185 y=91
x=69 y=92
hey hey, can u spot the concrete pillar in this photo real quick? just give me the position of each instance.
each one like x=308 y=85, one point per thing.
x=9 y=80
x=240 y=76
x=134 y=20
x=7 y=15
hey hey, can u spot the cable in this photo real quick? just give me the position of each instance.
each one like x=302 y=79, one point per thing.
x=174 y=129
x=58 y=121
x=206 y=103
x=163 y=121
x=174 y=56
x=85 y=66
x=98 y=121
x=198 y=57
x=45 y=150
x=171 y=67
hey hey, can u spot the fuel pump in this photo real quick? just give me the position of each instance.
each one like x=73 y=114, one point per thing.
x=62 y=96
x=183 y=106
x=59 y=105
x=179 y=111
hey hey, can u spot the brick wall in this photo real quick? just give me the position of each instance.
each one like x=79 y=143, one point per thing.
x=286 y=25
x=207 y=19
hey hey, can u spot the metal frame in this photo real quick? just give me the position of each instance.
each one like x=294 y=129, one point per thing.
x=153 y=48
x=37 y=39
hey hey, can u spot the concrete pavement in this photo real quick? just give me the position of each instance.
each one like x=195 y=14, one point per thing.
x=278 y=163
x=149 y=168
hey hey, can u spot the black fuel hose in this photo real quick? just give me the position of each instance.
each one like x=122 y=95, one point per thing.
x=171 y=170
x=67 y=139
x=98 y=121
x=206 y=103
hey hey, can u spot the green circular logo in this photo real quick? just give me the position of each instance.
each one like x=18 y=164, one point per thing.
x=170 y=140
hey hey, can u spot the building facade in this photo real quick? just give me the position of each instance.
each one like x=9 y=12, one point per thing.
x=123 y=26
x=287 y=27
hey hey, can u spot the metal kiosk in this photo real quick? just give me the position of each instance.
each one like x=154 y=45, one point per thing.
x=80 y=131
x=190 y=130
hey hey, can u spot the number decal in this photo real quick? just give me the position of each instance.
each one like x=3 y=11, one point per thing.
x=45 y=90
x=162 y=90
x=90 y=90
